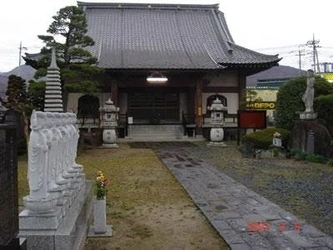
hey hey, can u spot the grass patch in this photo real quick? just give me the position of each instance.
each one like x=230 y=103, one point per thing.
x=144 y=201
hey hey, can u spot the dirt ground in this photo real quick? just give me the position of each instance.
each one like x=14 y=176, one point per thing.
x=147 y=207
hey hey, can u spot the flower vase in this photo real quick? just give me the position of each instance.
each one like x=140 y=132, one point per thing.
x=100 y=216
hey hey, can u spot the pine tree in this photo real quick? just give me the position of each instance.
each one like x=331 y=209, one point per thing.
x=78 y=72
x=71 y=25
x=17 y=99
x=16 y=92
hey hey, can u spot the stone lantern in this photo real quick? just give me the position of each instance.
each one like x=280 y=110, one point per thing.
x=217 y=121
x=109 y=115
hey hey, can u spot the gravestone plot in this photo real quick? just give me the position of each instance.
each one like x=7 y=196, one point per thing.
x=9 y=223
x=8 y=189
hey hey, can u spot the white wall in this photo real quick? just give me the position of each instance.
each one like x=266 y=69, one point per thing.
x=73 y=98
x=72 y=102
x=225 y=79
x=103 y=97
x=232 y=101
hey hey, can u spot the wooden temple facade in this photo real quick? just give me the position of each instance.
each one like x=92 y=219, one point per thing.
x=189 y=45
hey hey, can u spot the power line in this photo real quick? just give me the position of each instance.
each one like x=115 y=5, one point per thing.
x=300 y=53
x=281 y=47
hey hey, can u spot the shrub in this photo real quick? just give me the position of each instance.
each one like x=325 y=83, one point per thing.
x=298 y=155
x=330 y=163
x=315 y=158
x=289 y=99
x=263 y=139
x=323 y=105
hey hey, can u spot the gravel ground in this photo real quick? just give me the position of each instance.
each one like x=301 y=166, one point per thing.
x=304 y=189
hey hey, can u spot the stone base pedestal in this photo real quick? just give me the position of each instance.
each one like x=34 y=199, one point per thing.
x=308 y=116
x=15 y=244
x=109 y=145
x=92 y=233
x=216 y=144
x=100 y=229
x=216 y=137
x=109 y=138
x=71 y=230
x=100 y=216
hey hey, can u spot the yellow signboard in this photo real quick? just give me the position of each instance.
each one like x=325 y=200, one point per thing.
x=260 y=105
x=328 y=76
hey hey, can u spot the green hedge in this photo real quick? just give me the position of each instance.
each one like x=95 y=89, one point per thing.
x=323 y=105
x=263 y=139
x=289 y=99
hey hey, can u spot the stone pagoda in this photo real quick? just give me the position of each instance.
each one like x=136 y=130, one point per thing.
x=53 y=93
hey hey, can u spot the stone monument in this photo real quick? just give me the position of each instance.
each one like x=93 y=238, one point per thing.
x=57 y=210
x=217 y=121
x=109 y=115
x=308 y=97
x=309 y=134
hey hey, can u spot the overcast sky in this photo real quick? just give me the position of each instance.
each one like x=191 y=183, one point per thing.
x=270 y=27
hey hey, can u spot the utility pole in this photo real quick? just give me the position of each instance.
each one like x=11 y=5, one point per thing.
x=300 y=54
x=20 y=52
x=313 y=43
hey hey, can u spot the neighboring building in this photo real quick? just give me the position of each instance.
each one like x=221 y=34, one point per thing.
x=266 y=85
x=326 y=71
x=32 y=59
x=190 y=45
x=328 y=76
x=273 y=77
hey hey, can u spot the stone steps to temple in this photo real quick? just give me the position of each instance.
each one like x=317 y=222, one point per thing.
x=155 y=132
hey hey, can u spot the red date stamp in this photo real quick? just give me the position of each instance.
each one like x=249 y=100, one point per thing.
x=264 y=226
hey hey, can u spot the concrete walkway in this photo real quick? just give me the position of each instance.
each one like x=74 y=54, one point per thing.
x=243 y=218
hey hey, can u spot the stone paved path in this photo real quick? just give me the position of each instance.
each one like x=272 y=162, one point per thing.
x=243 y=218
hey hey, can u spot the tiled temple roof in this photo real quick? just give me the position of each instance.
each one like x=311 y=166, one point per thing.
x=165 y=36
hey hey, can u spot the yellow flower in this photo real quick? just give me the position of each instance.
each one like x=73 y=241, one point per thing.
x=100 y=186
x=276 y=134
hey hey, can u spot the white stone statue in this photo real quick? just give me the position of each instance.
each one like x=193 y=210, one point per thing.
x=65 y=146
x=74 y=143
x=37 y=157
x=308 y=95
x=60 y=149
x=39 y=200
x=53 y=143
